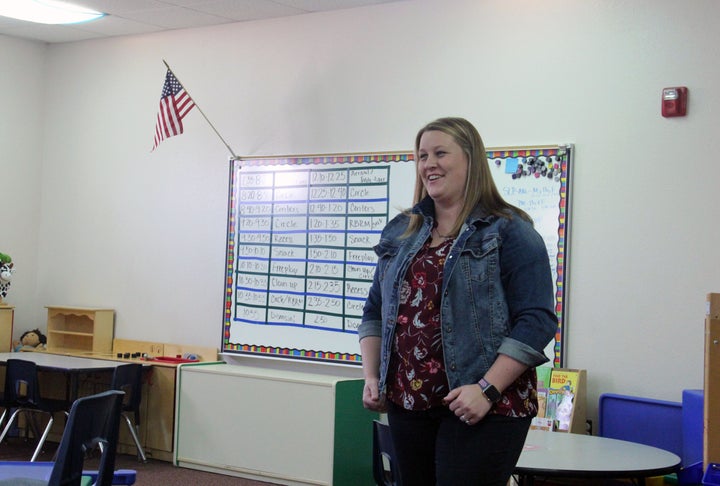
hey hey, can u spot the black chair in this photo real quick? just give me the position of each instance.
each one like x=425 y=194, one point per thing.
x=385 y=471
x=128 y=378
x=22 y=392
x=5 y=408
x=93 y=422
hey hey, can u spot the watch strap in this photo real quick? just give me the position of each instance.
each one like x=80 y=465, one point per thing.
x=491 y=393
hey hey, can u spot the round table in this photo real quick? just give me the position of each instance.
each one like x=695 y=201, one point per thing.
x=562 y=454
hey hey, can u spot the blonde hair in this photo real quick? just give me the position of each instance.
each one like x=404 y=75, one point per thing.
x=480 y=187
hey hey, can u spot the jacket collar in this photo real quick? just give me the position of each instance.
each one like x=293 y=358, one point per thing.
x=426 y=207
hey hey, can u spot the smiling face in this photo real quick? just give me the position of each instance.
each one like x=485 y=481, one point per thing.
x=30 y=338
x=443 y=168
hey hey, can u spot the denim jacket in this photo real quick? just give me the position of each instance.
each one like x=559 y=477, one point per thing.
x=497 y=293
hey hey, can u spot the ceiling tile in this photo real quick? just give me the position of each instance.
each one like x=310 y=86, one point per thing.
x=128 y=17
x=245 y=9
x=47 y=33
x=112 y=25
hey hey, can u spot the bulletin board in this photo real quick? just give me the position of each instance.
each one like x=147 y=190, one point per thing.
x=300 y=237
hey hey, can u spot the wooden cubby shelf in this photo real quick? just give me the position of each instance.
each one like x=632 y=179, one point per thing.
x=80 y=329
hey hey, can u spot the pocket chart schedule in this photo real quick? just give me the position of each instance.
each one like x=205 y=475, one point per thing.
x=300 y=239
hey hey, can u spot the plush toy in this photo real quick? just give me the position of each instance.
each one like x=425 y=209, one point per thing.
x=31 y=341
x=6 y=271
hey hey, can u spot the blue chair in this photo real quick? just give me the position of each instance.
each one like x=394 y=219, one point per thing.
x=22 y=392
x=93 y=422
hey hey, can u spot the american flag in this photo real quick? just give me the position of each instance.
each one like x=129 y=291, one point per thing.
x=175 y=103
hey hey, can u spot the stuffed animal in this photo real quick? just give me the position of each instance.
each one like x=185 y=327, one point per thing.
x=6 y=271
x=31 y=341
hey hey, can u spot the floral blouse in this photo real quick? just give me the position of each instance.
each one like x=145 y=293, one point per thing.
x=416 y=377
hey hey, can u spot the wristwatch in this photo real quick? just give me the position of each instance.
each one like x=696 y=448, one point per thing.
x=491 y=393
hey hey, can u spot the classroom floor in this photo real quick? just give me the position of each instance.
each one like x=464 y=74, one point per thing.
x=152 y=473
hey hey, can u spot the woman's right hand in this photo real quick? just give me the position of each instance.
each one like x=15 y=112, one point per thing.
x=371 y=396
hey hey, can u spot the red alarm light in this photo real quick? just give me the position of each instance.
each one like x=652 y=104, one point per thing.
x=674 y=101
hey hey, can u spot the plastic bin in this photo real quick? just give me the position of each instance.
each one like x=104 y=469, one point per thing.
x=692 y=474
x=121 y=476
x=656 y=423
x=692 y=426
x=712 y=475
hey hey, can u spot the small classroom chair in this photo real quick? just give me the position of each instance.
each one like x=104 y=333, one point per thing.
x=385 y=472
x=22 y=392
x=5 y=406
x=128 y=378
x=93 y=422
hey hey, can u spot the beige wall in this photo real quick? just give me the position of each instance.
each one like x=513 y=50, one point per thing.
x=144 y=233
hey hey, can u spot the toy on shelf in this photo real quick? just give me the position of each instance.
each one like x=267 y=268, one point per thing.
x=6 y=271
x=31 y=341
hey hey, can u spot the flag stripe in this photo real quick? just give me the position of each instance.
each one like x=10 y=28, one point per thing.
x=169 y=117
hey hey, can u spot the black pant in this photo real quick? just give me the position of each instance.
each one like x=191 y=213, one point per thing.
x=435 y=448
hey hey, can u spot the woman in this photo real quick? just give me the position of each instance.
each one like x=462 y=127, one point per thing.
x=458 y=315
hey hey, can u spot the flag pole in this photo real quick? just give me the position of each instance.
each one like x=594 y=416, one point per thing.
x=202 y=113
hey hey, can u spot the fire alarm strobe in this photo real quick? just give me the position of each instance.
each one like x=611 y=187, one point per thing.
x=674 y=101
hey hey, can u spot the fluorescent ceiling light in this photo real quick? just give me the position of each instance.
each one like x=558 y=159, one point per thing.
x=47 y=11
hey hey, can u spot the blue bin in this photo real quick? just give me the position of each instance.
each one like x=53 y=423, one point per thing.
x=712 y=475
x=691 y=474
x=656 y=423
x=692 y=426
x=121 y=476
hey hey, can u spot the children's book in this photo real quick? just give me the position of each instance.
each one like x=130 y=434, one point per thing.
x=543 y=382
x=561 y=397
x=543 y=377
x=542 y=402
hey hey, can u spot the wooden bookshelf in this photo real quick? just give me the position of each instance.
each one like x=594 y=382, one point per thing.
x=711 y=400
x=80 y=329
x=7 y=313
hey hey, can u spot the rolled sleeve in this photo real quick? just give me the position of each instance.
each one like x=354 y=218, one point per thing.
x=369 y=328
x=522 y=352
x=529 y=293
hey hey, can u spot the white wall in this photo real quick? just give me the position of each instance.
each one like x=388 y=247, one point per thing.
x=144 y=233
x=22 y=95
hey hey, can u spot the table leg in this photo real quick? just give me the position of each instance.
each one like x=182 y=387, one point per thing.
x=72 y=388
x=526 y=480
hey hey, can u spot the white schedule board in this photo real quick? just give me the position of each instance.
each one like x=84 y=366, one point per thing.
x=301 y=232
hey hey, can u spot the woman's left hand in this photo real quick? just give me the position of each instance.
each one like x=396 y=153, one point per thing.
x=468 y=403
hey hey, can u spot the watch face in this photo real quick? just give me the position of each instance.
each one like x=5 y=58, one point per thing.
x=492 y=393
